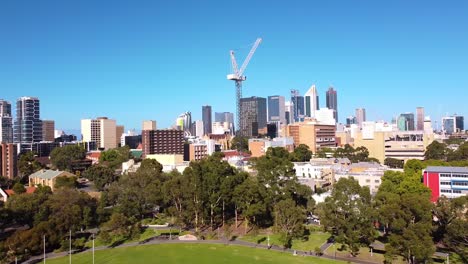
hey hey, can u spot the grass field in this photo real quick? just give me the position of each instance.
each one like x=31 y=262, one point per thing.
x=316 y=239
x=189 y=253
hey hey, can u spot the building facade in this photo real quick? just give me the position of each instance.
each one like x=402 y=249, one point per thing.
x=314 y=135
x=405 y=122
x=452 y=124
x=162 y=142
x=6 y=122
x=451 y=182
x=206 y=117
x=102 y=130
x=298 y=109
x=8 y=160
x=253 y=116
x=311 y=101
x=149 y=125
x=420 y=118
x=48 y=130
x=276 y=109
x=360 y=116
x=332 y=102
x=28 y=124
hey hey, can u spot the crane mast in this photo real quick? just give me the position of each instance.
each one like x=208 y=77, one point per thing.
x=238 y=77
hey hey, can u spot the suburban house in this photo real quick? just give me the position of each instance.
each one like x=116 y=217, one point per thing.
x=47 y=177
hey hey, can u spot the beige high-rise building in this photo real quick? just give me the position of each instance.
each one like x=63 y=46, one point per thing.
x=48 y=130
x=119 y=130
x=313 y=135
x=149 y=125
x=102 y=130
x=420 y=118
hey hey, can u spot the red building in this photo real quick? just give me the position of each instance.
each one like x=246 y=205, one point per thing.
x=451 y=182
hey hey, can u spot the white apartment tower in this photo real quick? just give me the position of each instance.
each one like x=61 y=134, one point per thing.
x=101 y=130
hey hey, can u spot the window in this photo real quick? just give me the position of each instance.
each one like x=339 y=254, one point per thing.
x=367 y=180
x=377 y=181
x=444 y=183
x=445 y=191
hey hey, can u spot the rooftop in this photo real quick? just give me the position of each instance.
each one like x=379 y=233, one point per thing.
x=447 y=169
x=46 y=174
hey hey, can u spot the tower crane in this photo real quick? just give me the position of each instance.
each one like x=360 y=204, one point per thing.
x=238 y=77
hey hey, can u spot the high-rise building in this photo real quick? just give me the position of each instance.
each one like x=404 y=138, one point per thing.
x=420 y=118
x=197 y=128
x=298 y=109
x=119 y=131
x=206 y=117
x=184 y=122
x=102 y=130
x=6 y=122
x=288 y=112
x=162 y=142
x=8 y=160
x=311 y=102
x=253 y=113
x=48 y=130
x=332 y=102
x=276 y=109
x=405 y=122
x=452 y=124
x=350 y=120
x=28 y=124
x=149 y=125
x=313 y=135
x=360 y=116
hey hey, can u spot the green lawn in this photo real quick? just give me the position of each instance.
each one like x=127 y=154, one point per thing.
x=364 y=254
x=316 y=239
x=190 y=253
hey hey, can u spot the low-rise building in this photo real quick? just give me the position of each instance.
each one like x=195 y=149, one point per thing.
x=451 y=182
x=368 y=174
x=47 y=177
x=259 y=146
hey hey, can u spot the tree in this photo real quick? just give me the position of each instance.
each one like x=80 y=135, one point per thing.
x=436 y=151
x=289 y=219
x=63 y=158
x=113 y=158
x=394 y=163
x=66 y=182
x=18 y=188
x=301 y=153
x=100 y=175
x=413 y=166
x=27 y=165
x=240 y=143
x=452 y=224
x=347 y=212
x=118 y=228
x=151 y=165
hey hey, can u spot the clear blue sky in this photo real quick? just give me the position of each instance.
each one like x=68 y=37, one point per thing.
x=137 y=60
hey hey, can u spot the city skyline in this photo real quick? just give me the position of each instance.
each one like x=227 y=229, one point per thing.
x=81 y=68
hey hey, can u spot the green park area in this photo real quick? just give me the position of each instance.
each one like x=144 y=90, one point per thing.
x=189 y=253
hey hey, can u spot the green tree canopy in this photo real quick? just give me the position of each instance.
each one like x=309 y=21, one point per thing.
x=436 y=151
x=301 y=153
x=113 y=158
x=27 y=165
x=66 y=182
x=348 y=213
x=101 y=176
x=63 y=158
x=240 y=143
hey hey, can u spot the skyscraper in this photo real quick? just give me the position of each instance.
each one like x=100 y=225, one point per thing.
x=102 y=130
x=298 y=105
x=350 y=120
x=288 y=112
x=253 y=113
x=405 y=122
x=48 y=130
x=6 y=122
x=452 y=124
x=332 y=102
x=28 y=124
x=420 y=118
x=206 y=117
x=276 y=109
x=360 y=116
x=226 y=117
x=311 y=102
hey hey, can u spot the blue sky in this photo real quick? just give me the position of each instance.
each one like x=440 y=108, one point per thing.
x=137 y=60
